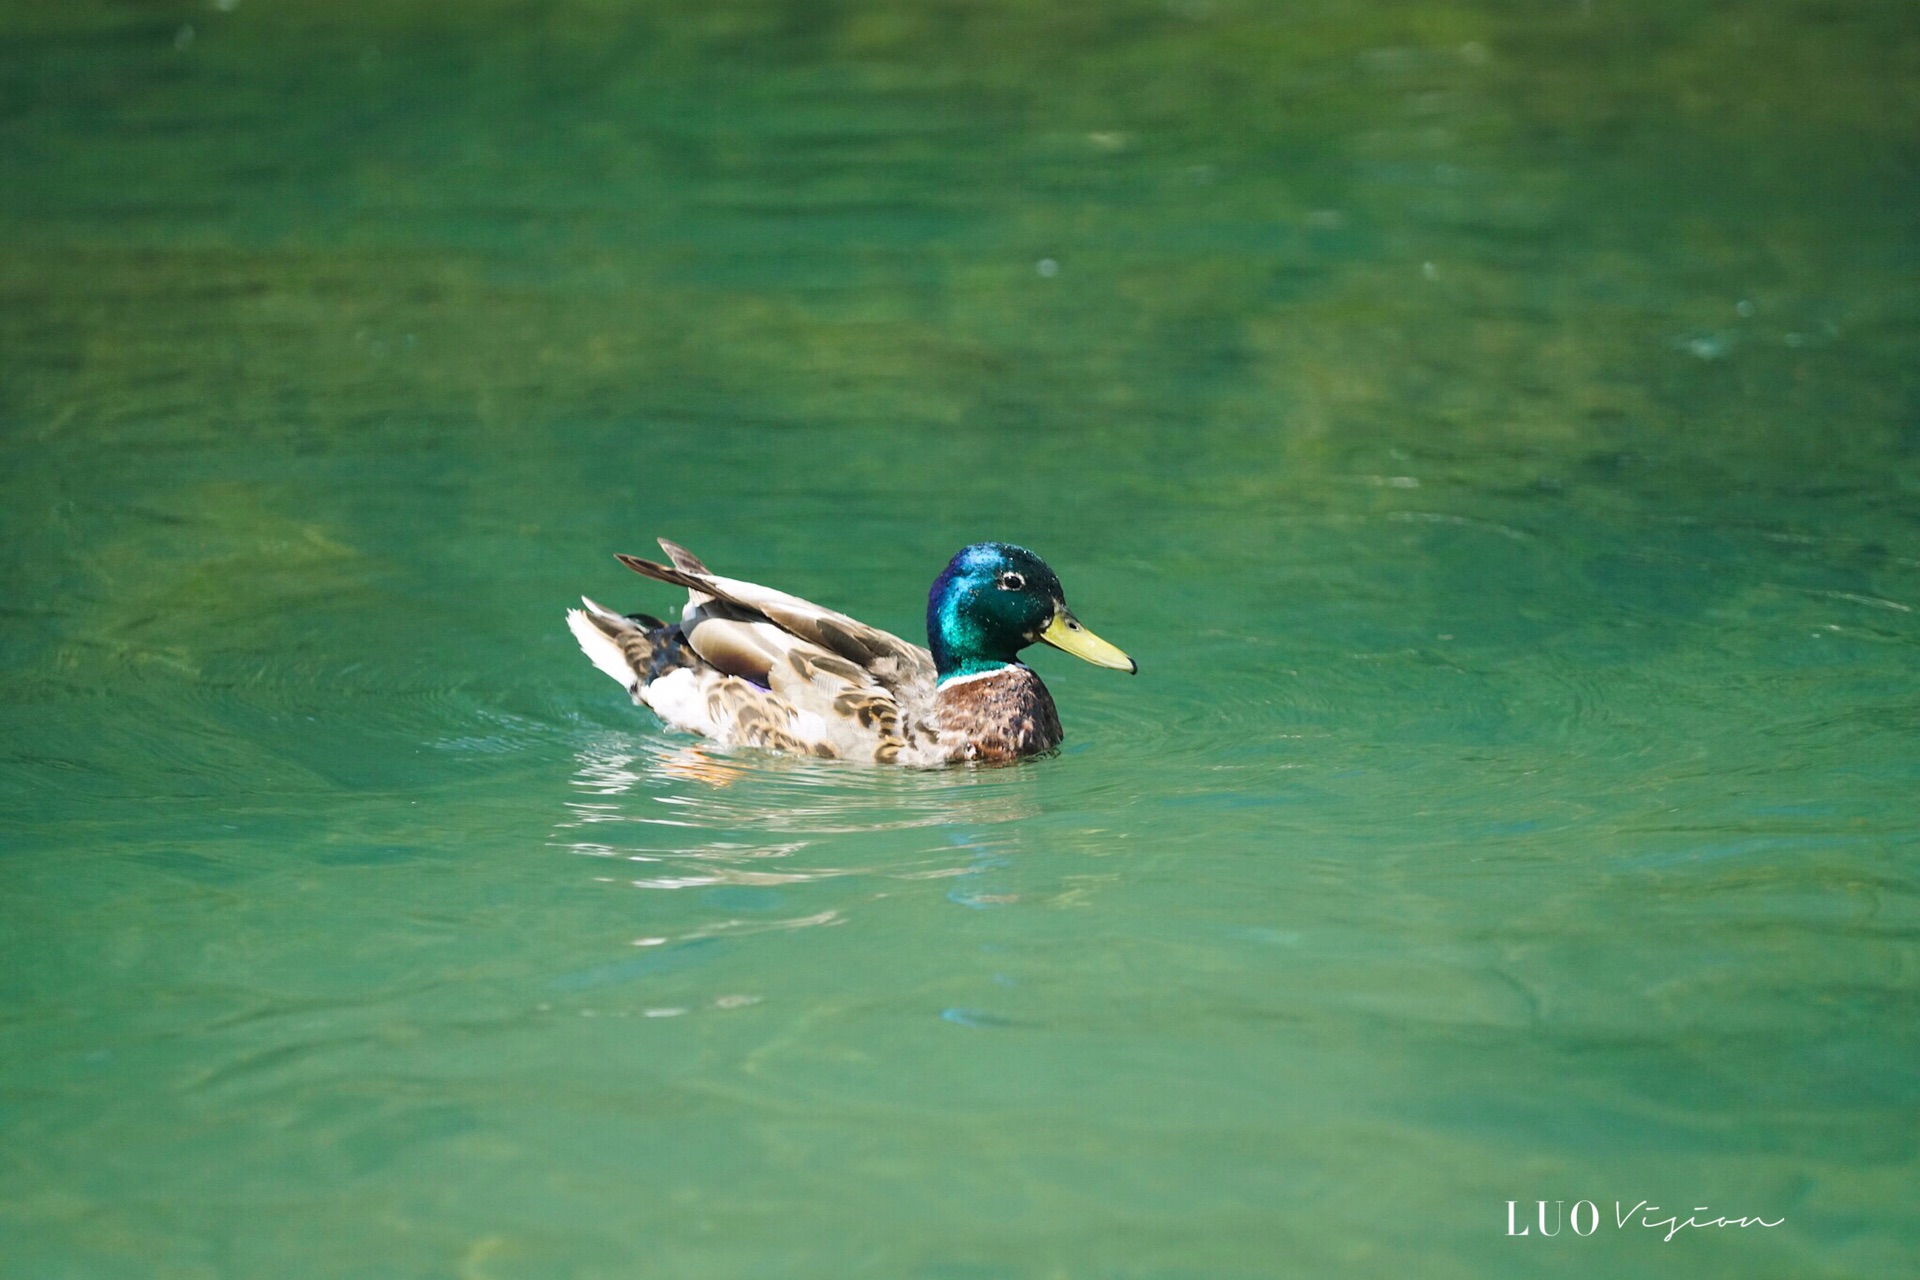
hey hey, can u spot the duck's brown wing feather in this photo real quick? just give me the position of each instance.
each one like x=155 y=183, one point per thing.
x=892 y=661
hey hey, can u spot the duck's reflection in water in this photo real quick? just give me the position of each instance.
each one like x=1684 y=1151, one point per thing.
x=696 y=815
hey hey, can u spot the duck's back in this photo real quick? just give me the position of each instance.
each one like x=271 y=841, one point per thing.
x=742 y=681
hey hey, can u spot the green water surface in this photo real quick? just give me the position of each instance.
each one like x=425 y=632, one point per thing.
x=1494 y=427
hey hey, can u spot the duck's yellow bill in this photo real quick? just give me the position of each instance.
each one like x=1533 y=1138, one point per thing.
x=1065 y=632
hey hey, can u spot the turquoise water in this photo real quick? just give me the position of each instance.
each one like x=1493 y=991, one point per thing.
x=1495 y=429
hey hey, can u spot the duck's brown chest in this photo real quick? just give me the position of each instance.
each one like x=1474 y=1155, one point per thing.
x=1001 y=715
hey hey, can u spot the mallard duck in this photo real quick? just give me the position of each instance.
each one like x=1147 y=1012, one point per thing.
x=747 y=664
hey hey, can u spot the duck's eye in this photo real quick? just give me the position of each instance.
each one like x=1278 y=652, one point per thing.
x=1012 y=582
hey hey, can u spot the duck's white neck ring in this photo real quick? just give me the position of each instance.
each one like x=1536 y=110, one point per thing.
x=978 y=675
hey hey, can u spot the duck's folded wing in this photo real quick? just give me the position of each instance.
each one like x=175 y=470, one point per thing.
x=891 y=661
x=744 y=681
x=740 y=642
x=835 y=704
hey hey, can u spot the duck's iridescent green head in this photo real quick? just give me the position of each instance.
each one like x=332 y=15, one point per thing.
x=993 y=600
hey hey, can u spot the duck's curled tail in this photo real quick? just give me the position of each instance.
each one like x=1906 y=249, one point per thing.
x=635 y=649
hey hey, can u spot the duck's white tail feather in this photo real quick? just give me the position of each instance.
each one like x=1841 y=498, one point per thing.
x=601 y=648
